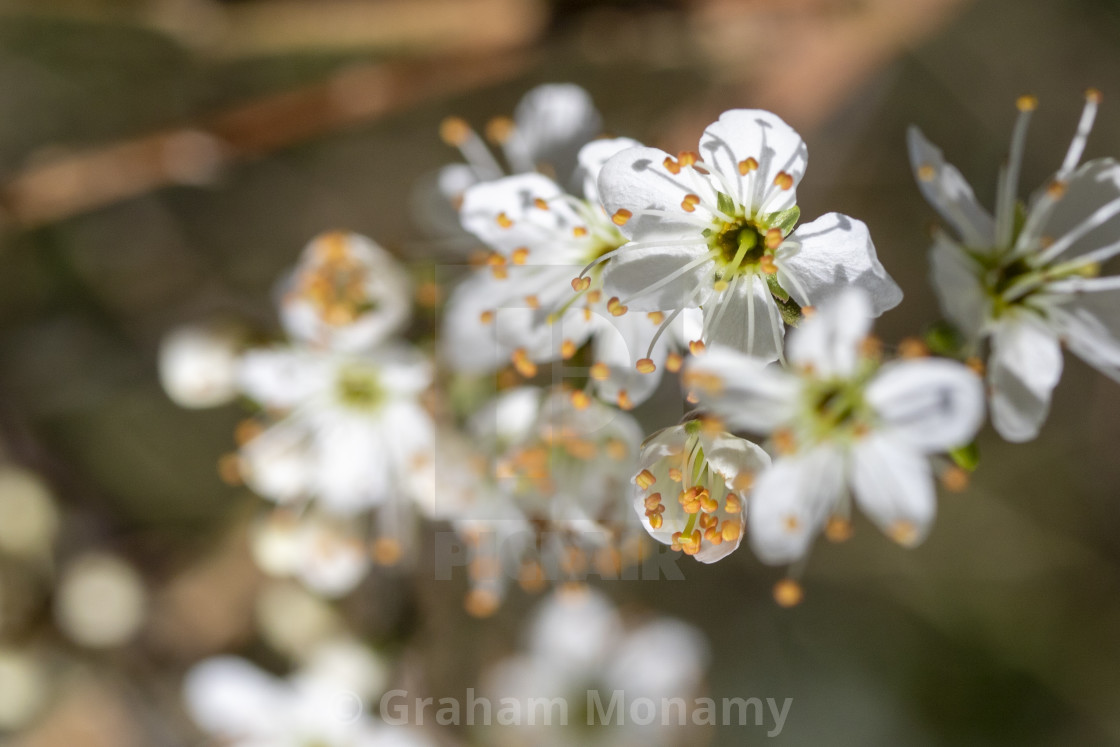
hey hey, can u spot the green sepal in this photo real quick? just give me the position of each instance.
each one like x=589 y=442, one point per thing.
x=944 y=339
x=725 y=204
x=966 y=457
x=790 y=311
x=784 y=220
x=777 y=290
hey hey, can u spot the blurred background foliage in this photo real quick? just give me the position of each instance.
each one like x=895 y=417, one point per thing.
x=163 y=161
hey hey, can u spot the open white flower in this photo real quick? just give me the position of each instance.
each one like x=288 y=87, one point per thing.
x=691 y=490
x=1027 y=279
x=524 y=307
x=346 y=293
x=350 y=431
x=844 y=426
x=715 y=229
x=577 y=642
x=244 y=706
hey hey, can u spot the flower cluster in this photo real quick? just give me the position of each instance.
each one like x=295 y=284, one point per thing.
x=602 y=265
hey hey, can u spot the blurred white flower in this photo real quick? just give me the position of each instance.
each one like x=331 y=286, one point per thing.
x=715 y=229
x=28 y=515
x=1027 y=277
x=839 y=420
x=100 y=601
x=550 y=477
x=198 y=365
x=325 y=554
x=25 y=685
x=350 y=431
x=690 y=477
x=576 y=644
x=525 y=307
x=549 y=126
x=235 y=701
x=346 y=293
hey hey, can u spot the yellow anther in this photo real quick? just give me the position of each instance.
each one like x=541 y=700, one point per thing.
x=675 y=474
x=808 y=312
x=519 y=255
x=903 y=532
x=747 y=165
x=531 y=578
x=954 y=479
x=615 y=307
x=1026 y=103
x=579 y=232
x=741 y=483
x=504 y=220
x=594 y=296
x=671 y=166
x=791 y=523
x=645 y=479
x=656 y=521
x=617 y=449
x=499 y=130
x=731 y=530
x=788 y=593
x=720 y=286
x=387 y=551
x=486 y=317
x=428 y=294
x=645 y=365
x=708 y=504
x=521 y=362
x=532 y=302
x=581 y=400
x=774 y=238
x=871 y=347
x=652 y=501
x=656 y=317
x=713 y=536
x=481 y=603
x=673 y=362
x=926 y=172
x=1056 y=189
x=621 y=216
x=784 y=441
x=624 y=400
x=454 y=131
x=246 y=431
x=838 y=529
x=689 y=203
x=567 y=349
x=783 y=180
x=696 y=347
x=1094 y=95
x=581 y=284
x=912 y=347
x=766 y=264
x=976 y=364
x=732 y=504
x=688 y=157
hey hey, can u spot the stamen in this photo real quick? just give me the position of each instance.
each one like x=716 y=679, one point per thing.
x=696 y=347
x=567 y=349
x=615 y=307
x=1081 y=137
x=486 y=317
x=838 y=529
x=581 y=400
x=926 y=172
x=788 y=593
x=645 y=365
x=783 y=180
x=673 y=362
x=600 y=371
x=519 y=255
x=522 y=364
x=454 y=131
x=581 y=284
x=689 y=203
x=645 y=479
x=499 y=130
x=747 y=166
x=579 y=232
x=656 y=317
x=621 y=216
x=540 y=204
x=1009 y=186
x=624 y=400
x=671 y=166
x=504 y=220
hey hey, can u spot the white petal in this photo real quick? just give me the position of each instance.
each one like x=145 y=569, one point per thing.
x=828 y=342
x=227 y=696
x=636 y=180
x=630 y=273
x=352 y=471
x=746 y=392
x=553 y=122
x=620 y=341
x=334 y=563
x=632 y=670
x=283 y=377
x=198 y=365
x=750 y=323
x=791 y=501
x=1090 y=324
x=434 y=200
x=575 y=630
x=278 y=463
x=753 y=133
x=893 y=485
x=956 y=280
x=1024 y=368
x=930 y=405
x=834 y=252
x=947 y=191
x=488 y=205
x=509 y=418
x=731 y=457
x=1093 y=186
x=592 y=158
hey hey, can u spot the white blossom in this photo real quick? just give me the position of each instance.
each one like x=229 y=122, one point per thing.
x=844 y=425
x=198 y=365
x=714 y=229
x=1027 y=277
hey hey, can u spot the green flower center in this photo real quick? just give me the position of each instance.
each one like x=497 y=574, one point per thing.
x=359 y=388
